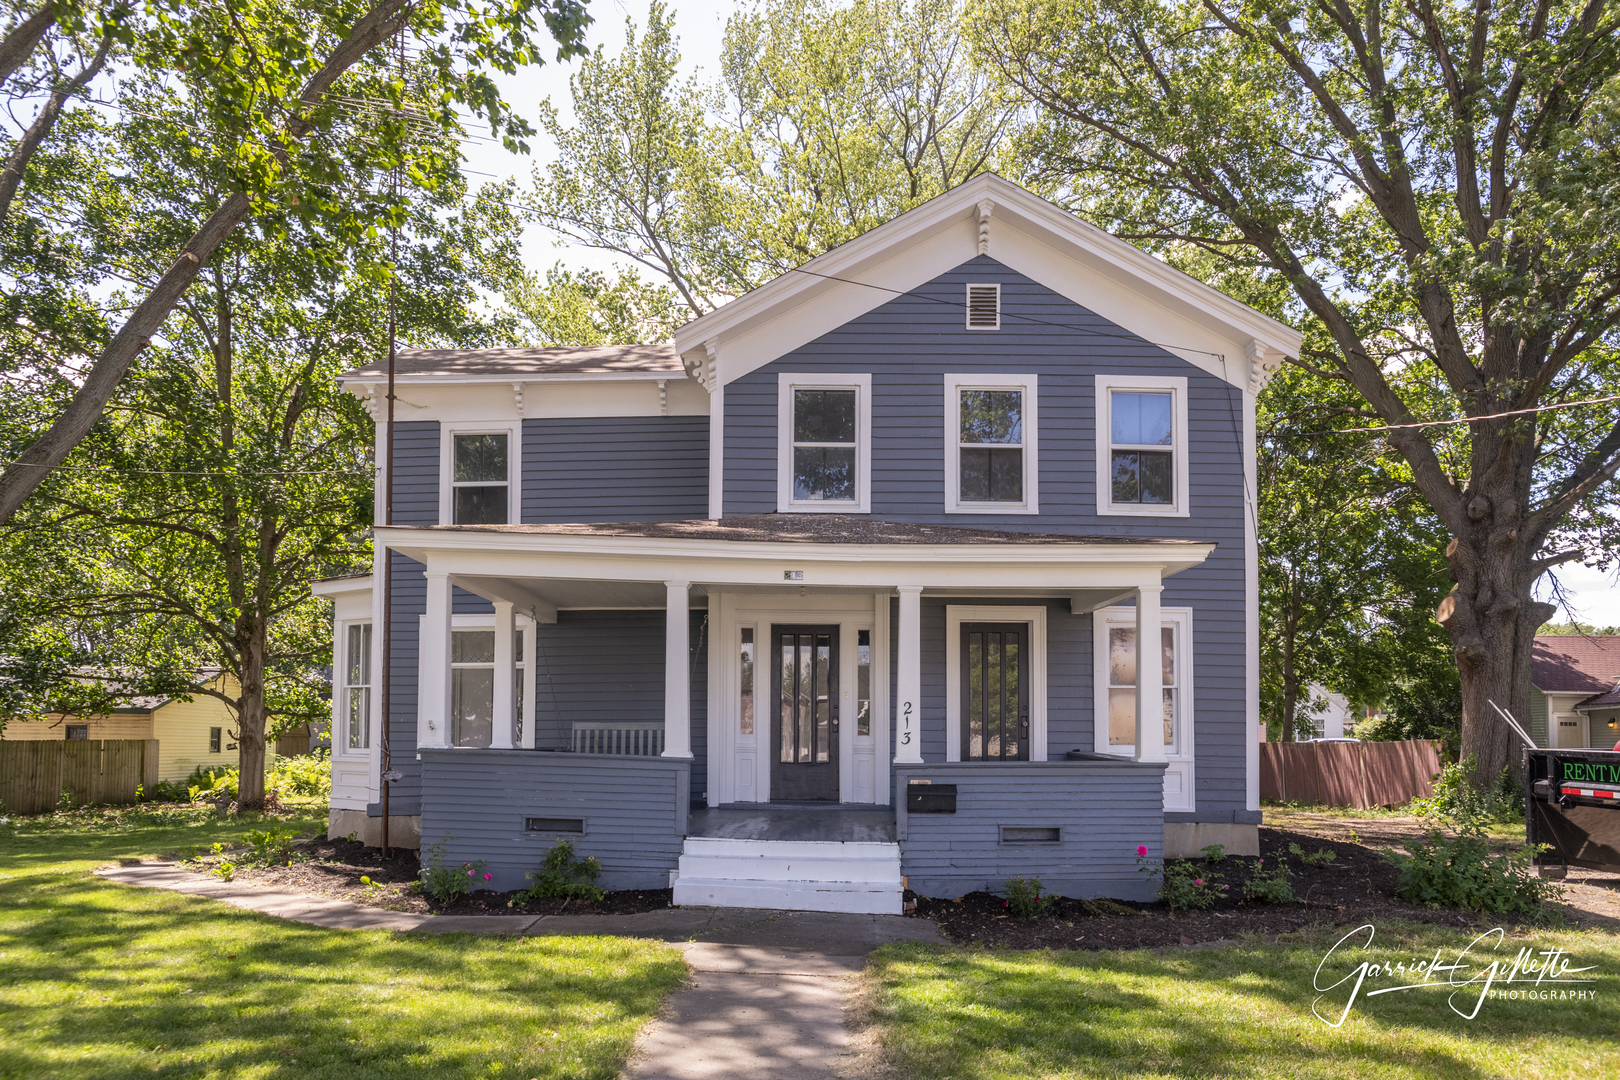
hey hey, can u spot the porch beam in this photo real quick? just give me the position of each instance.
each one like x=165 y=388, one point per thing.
x=496 y=590
x=908 y=704
x=1084 y=603
x=1149 y=675
x=505 y=718
x=433 y=715
x=677 y=678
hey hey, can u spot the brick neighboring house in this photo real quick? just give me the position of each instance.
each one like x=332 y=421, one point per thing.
x=1576 y=679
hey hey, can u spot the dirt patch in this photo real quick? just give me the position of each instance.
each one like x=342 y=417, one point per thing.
x=333 y=869
x=1355 y=887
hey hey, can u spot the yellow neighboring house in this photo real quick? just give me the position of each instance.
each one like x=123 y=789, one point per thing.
x=189 y=733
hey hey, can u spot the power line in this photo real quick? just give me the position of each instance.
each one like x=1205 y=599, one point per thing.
x=1459 y=420
x=185 y=472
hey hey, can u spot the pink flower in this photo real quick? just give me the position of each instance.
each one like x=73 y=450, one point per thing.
x=1198 y=881
x=1141 y=850
x=488 y=877
x=469 y=873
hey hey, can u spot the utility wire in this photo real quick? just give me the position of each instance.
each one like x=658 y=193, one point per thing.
x=1459 y=420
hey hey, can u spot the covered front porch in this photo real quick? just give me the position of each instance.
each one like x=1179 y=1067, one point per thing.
x=813 y=675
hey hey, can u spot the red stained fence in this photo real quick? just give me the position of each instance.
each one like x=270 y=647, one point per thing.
x=1362 y=774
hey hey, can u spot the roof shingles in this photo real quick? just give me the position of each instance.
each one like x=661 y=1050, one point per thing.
x=1576 y=663
x=504 y=363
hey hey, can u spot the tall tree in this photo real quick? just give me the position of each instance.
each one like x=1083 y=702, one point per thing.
x=1437 y=184
x=827 y=120
x=274 y=82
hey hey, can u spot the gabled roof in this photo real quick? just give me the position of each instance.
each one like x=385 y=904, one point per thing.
x=1575 y=663
x=989 y=216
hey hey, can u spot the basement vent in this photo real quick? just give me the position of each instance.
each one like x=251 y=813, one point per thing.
x=984 y=307
x=554 y=824
x=1031 y=834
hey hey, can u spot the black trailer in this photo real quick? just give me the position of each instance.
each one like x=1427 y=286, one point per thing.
x=1572 y=804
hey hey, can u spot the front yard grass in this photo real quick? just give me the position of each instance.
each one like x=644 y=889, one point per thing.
x=101 y=980
x=972 y=1014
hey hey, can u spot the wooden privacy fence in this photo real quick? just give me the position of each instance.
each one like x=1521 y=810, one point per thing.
x=35 y=773
x=1363 y=775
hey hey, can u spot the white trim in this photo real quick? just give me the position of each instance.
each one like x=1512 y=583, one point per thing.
x=1028 y=385
x=1251 y=612
x=1109 y=276
x=1177 y=386
x=1180 y=775
x=1035 y=619
x=967 y=304
x=786 y=383
x=340 y=696
x=717 y=453
x=513 y=430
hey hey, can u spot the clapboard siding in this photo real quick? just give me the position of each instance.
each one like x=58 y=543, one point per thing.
x=907 y=345
x=634 y=809
x=1105 y=810
x=416 y=472
x=410 y=603
x=629 y=468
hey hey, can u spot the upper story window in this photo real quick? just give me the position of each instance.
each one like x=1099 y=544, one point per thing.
x=356 y=697
x=824 y=425
x=990 y=444
x=1142 y=445
x=478 y=474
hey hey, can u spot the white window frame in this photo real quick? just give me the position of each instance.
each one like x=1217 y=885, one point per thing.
x=340 y=711
x=1180 y=794
x=967 y=304
x=525 y=660
x=1177 y=386
x=513 y=430
x=1035 y=618
x=787 y=382
x=954 y=385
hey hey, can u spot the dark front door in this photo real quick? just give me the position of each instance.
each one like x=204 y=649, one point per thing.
x=995 y=692
x=804 y=737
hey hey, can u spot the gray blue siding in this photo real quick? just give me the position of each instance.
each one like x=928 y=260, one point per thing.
x=1103 y=810
x=619 y=468
x=634 y=810
x=906 y=345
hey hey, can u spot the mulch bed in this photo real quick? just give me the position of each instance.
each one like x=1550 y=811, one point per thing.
x=333 y=868
x=1358 y=886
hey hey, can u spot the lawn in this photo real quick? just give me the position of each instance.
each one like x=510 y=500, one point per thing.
x=1241 y=1012
x=99 y=980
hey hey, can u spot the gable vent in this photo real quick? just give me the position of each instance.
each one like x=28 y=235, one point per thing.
x=984 y=307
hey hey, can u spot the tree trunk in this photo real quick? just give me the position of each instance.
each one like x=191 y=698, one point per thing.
x=17 y=164
x=251 y=744
x=24 y=38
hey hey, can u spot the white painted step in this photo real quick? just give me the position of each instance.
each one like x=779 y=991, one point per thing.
x=790 y=875
x=842 y=897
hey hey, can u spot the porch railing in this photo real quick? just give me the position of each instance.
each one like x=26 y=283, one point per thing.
x=634 y=739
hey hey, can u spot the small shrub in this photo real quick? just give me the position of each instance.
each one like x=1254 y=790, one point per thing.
x=1188 y=888
x=1316 y=858
x=1273 y=886
x=1215 y=853
x=210 y=780
x=225 y=870
x=564 y=876
x=270 y=847
x=1024 y=898
x=1456 y=799
x=444 y=883
x=1461 y=872
x=308 y=775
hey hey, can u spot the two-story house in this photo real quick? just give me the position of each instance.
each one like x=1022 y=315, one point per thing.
x=929 y=563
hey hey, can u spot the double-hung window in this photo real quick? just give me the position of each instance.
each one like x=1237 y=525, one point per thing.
x=356 y=690
x=478 y=474
x=1142 y=445
x=824 y=443
x=1114 y=683
x=472 y=686
x=990 y=444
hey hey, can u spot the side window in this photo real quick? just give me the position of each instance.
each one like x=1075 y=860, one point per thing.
x=214 y=735
x=480 y=479
x=1142 y=446
x=824 y=443
x=78 y=731
x=472 y=687
x=1115 y=673
x=990 y=444
x=357 y=687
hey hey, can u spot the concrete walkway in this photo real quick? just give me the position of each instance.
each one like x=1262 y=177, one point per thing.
x=767 y=998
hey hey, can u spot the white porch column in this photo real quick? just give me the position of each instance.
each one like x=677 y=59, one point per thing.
x=908 y=703
x=1149 y=675
x=677 y=677
x=433 y=687
x=505 y=678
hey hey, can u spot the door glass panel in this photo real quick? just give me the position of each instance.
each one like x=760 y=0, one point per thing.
x=790 y=691
x=1013 y=730
x=975 y=697
x=863 y=683
x=823 y=737
x=992 y=695
x=746 y=662
x=807 y=698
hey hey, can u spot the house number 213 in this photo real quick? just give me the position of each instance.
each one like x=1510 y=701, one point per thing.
x=905 y=713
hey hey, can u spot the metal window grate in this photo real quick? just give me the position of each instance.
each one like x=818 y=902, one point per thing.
x=984 y=307
x=1031 y=834
x=553 y=825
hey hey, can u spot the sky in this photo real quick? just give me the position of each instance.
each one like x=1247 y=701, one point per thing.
x=1593 y=596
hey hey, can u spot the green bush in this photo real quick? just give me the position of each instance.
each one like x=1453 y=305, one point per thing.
x=1319 y=857
x=563 y=875
x=1274 y=886
x=444 y=882
x=270 y=847
x=1461 y=872
x=307 y=774
x=1456 y=799
x=166 y=791
x=1188 y=887
x=1024 y=899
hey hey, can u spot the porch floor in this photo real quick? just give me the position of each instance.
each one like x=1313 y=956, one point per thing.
x=837 y=822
